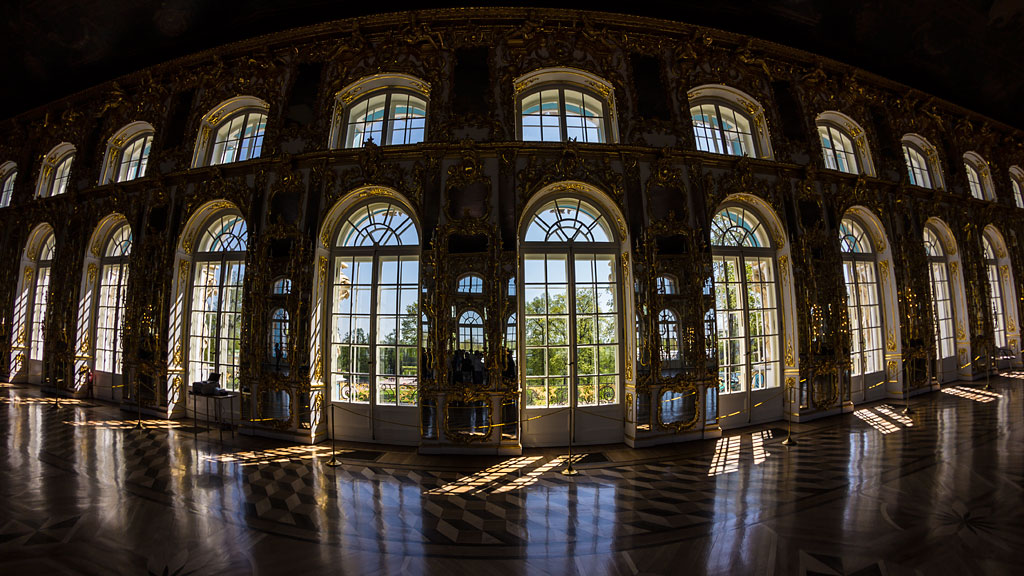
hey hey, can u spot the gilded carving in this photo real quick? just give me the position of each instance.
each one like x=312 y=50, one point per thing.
x=91 y=274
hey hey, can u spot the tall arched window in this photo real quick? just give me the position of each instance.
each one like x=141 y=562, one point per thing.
x=563 y=104
x=922 y=162
x=572 y=335
x=728 y=121
x=40 y=298
x=671 y=351
x=279 y=334
x=8 y=172
x=55 y=171
x=978 y=179
x=215 y=319
x=1017 y=183
x=389 y=109
x=110 y=303
x=863 y=301
x=471 y=332
x=746 y=302
x=942 y=296
x=375 y=319
x=231 y=132
x=995 y=293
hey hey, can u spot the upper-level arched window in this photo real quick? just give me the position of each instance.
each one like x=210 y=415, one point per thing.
x=843 y=144
x=666 y=284
x=56 y=171
x=922 y=162
x=728 y=121
x=471 y=284
x=231 y=132
x=388 y=108
x=978 y=178
x=8 y=172
x=1017 y=182
x=127 y=153
x=563 y=104
x=282 y=286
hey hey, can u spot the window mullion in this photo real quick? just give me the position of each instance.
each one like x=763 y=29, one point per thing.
x=375 y=287
x=570 y=277
x=563 y=128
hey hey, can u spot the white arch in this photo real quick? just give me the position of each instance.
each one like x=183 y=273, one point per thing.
x=790 y=360
x=595 y=423
x=930 y=156
x=975 y=161
x=318 y=316
x=855 y=132
x=85 y=345
x=211 y=120
x=965 y=365
x=50 y=161
x=889 y=297
x=21 y=367
x=116 y=144
x=741 y=101
x=1009 y=293
x=177 y=362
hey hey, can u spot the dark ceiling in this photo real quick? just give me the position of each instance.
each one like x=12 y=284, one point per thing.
x=966 y=51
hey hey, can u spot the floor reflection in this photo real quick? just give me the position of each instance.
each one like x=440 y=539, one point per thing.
x=878 y=489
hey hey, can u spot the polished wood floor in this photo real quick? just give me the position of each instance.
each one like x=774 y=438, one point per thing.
x=940 y=491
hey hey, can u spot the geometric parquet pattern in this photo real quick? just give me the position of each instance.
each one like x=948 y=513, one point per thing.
x=875 y=492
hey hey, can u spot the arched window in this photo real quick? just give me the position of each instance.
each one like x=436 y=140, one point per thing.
x=572 y=334
x=1017 y=183
x=375 y=335
x=279 y=334
x=979 y=180
x=215 y=320
x=471 y=332
x=837 y=146
x=388 y=109
x=671 y=351
x=746 y=302
x=843 y=144
x=666 y=285
x=922 y=162
x=728 y=121
x=113 y=286
x=231 y=132
x=56 y=171
x=863 y=300
x=563 y=104
x=942 y=298
x=8 y=172
x=510 y=334
x=995 y=293
x=40 y=298
x=471 y=284
x=282 y=286
x=127 y=153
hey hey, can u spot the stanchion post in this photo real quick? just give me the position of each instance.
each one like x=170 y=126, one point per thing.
x=789 y=418
x=333 y=462
x=138 y=403
x=906 y=394
x=569 y=470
